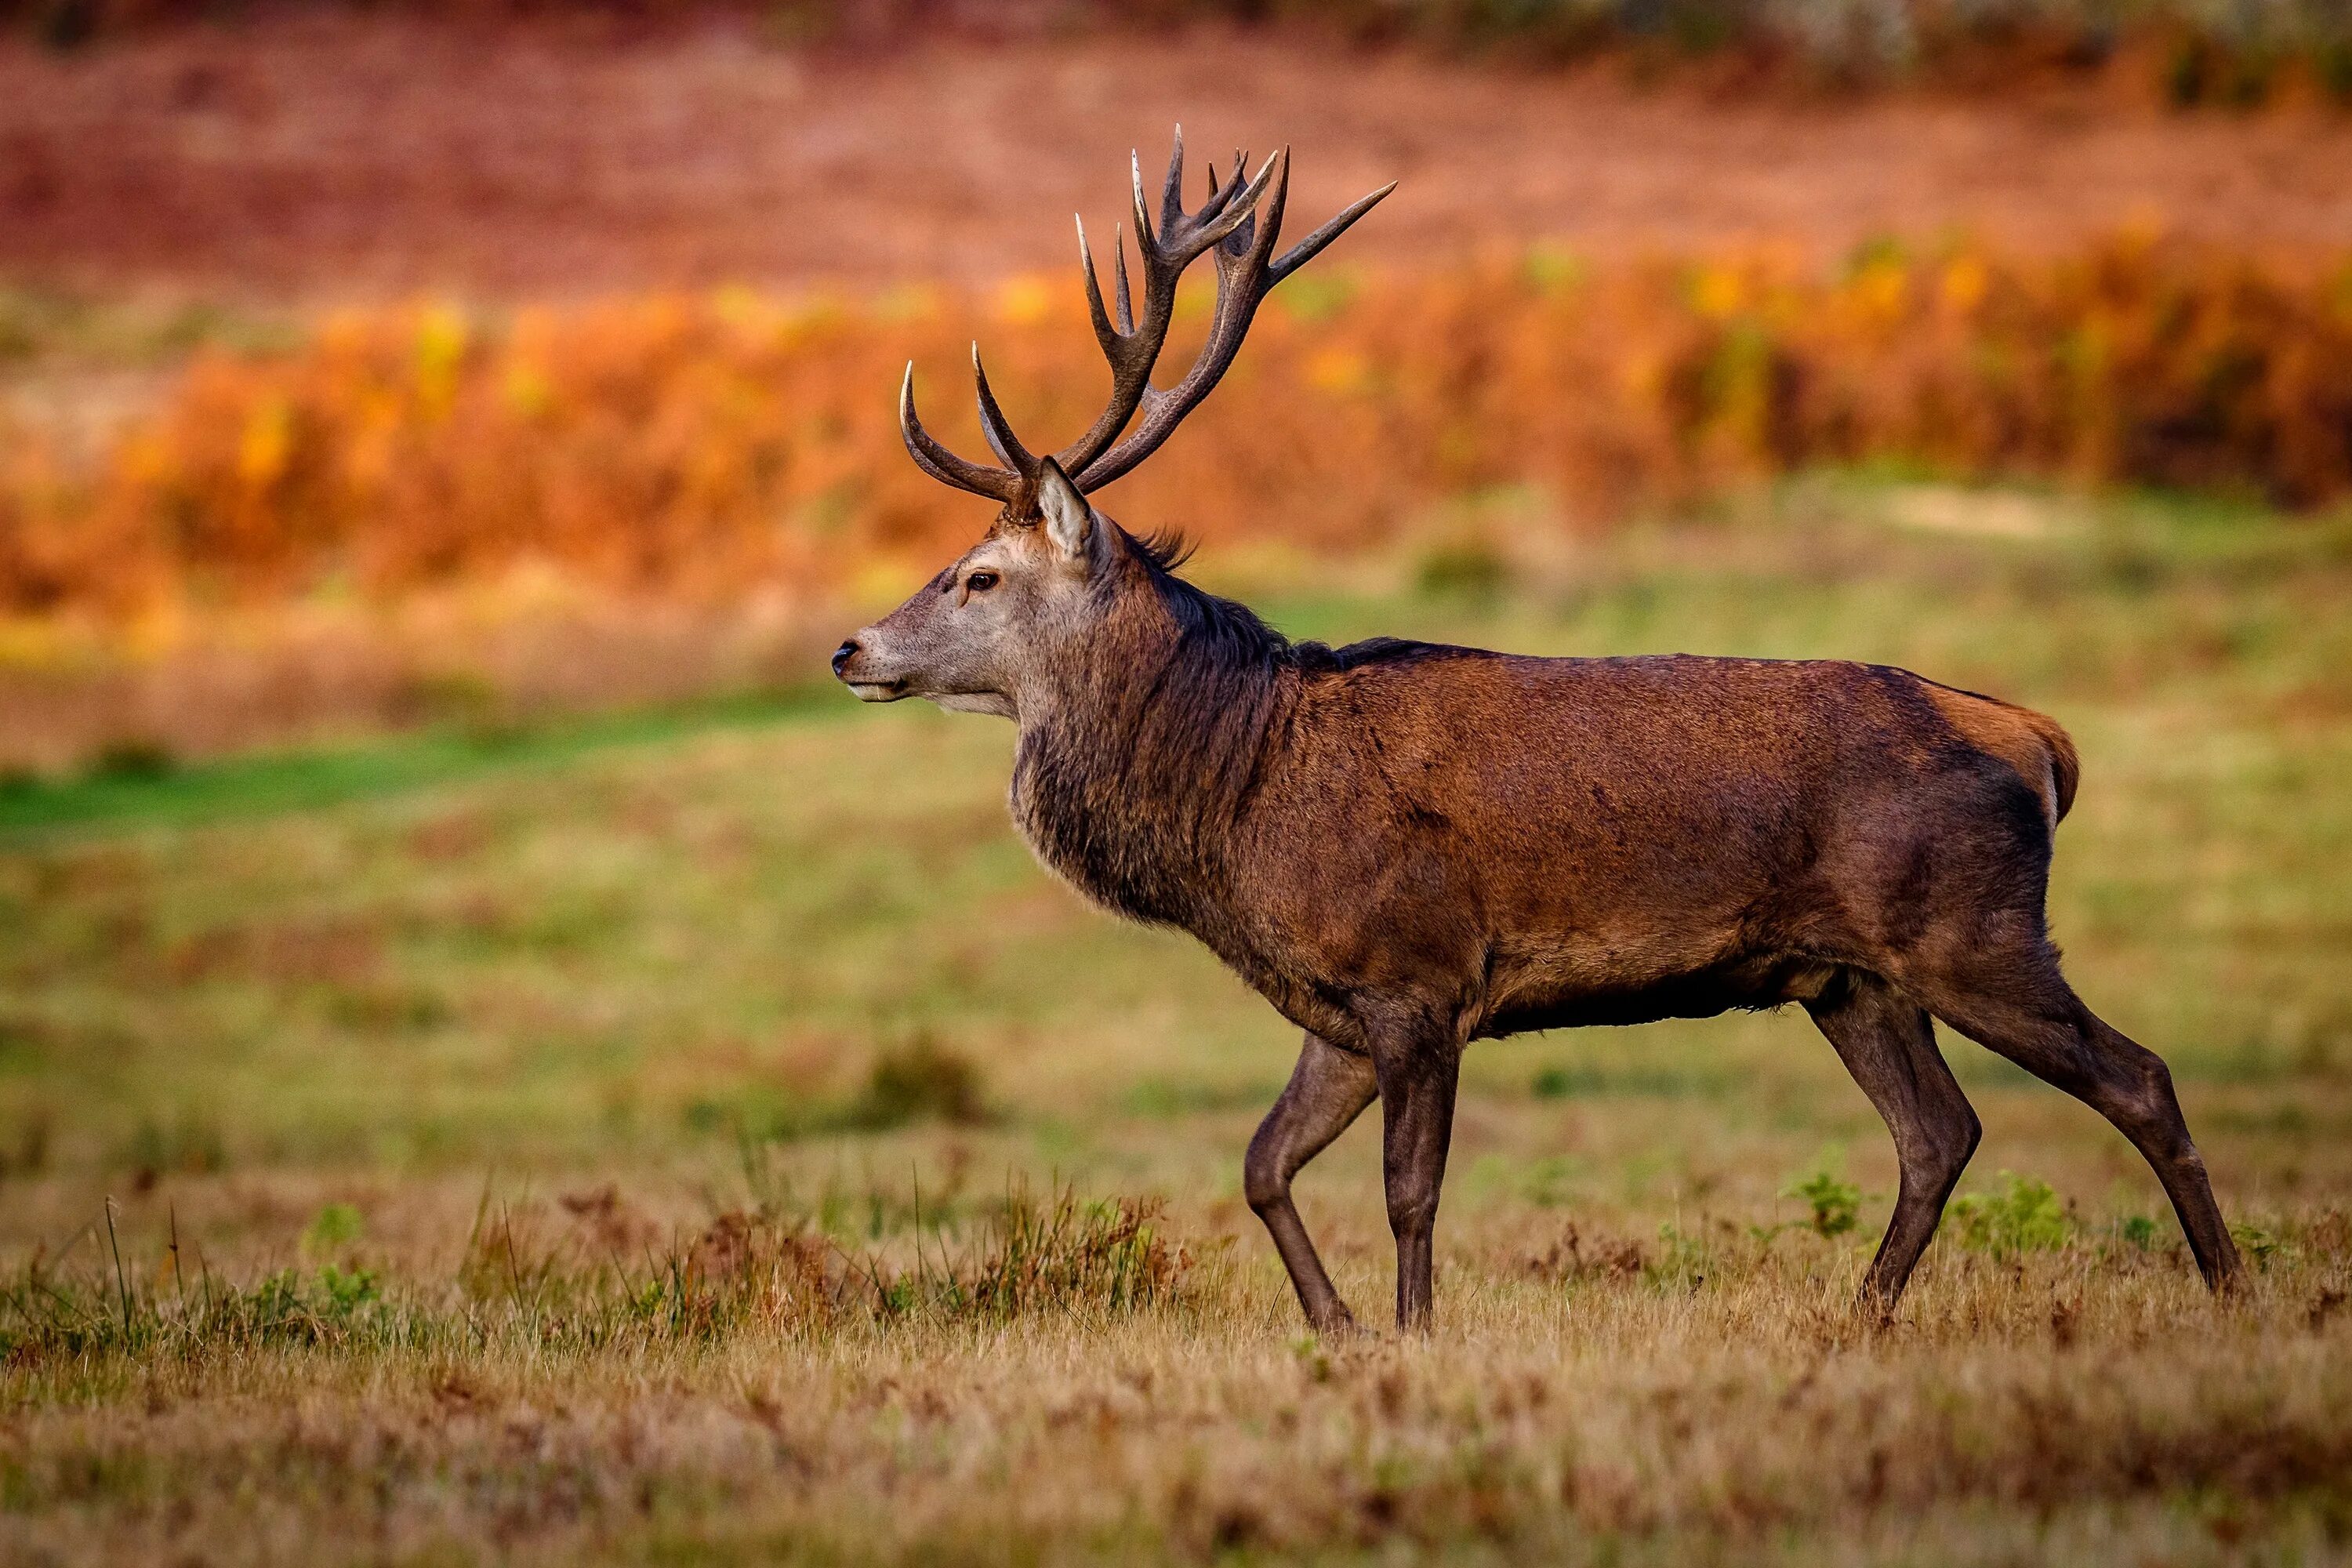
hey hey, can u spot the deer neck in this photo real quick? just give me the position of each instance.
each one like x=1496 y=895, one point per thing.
x=1131 y=770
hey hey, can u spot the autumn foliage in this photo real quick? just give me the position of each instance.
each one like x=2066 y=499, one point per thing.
x=716 y=445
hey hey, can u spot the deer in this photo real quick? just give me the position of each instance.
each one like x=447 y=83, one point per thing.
x=1405 y=846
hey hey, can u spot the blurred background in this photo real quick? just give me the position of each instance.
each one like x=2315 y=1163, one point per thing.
x=502 y=1060
x=439 y=440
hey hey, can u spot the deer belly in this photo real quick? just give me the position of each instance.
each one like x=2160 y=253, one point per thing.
x=1627 y=982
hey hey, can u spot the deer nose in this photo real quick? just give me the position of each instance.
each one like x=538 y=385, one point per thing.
x=843 y=654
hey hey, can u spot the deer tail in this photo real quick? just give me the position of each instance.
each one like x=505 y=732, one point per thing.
x=2030 y=742
x=2065 y=767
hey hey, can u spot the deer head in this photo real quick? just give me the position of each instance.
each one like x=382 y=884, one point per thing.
x=1051 y=569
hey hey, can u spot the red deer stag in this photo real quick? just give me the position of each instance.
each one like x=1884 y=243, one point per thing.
x=1406 y=846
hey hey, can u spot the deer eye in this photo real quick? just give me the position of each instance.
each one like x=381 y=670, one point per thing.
x=980 y=582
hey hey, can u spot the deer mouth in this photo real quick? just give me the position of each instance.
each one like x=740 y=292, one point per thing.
x=878 y=690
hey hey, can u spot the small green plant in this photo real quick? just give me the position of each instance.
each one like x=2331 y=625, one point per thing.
x=2257 y=1242
x=2137 y=1231
x=1682 y=1262
x=2025 y=1216
x=1549 y=1180
x=1836 y=1204
x=347 y=1291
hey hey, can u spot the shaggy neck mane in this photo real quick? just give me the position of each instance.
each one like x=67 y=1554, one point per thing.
x=1221 y=635
x=1130 y=781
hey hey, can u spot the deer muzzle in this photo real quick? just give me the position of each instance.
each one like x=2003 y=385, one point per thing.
x=854 y=666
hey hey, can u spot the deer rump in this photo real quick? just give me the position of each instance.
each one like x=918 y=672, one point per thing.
x=1520 y=843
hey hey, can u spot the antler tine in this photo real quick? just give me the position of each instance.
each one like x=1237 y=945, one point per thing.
x=1243 y=237
x=1182 y=236
x=1221 y=196
x=1105 y=334
x=1254 y=241
x=1244 y=276
x=1119 y=266
x=1216 y=220
x=1143 y=234
x=1306 y=250
x=942 y=464
x=1240 y=165
x=1000 y=438
x=1171 y=189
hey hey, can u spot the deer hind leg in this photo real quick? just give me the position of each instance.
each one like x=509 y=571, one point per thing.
x=1887 y=1042
x=1328 y=1091
x=2025 y=1010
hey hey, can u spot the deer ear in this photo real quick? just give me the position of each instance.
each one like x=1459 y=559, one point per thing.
x=1069 y=521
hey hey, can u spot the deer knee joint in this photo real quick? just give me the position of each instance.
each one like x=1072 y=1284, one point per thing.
x=1412 y=1211
x=1266 y=1180
x=2145 y=1103
x=1968 y=1132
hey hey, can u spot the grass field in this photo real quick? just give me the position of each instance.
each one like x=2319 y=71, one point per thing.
x=707 y=1137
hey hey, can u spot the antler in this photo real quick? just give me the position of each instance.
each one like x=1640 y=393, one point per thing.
x=1229 y=224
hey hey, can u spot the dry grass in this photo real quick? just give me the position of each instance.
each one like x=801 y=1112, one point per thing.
x=1707 y=1395
x=606 y=1157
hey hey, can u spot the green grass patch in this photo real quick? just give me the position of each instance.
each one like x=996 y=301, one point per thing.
x=140 y=784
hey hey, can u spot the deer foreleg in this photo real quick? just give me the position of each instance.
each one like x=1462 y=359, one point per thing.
x=1417 y=1074
x=1328 y=1091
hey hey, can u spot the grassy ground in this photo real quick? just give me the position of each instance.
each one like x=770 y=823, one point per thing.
x=707 y=1143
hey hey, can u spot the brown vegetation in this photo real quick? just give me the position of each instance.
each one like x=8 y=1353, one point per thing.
x=714 y=448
